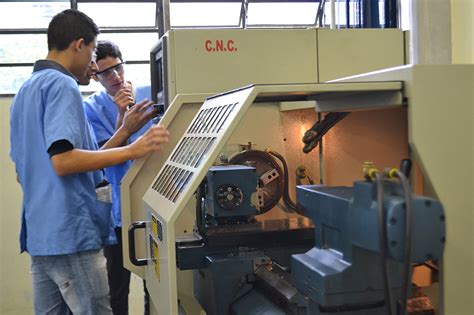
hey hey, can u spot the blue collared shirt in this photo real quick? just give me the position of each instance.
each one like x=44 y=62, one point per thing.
x=60 y=214
x=102 y=113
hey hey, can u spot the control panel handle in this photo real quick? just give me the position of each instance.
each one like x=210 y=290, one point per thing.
x=131 y=243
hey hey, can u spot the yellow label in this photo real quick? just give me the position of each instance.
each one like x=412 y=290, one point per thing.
x=154 y=226
x=156 y=260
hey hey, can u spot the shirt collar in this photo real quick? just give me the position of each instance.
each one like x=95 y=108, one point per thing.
x=110 y=96
x=49 y=64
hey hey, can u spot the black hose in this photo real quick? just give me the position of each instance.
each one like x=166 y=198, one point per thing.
x=313 y=136
x=406 y=260
x=383 y=242
x=286 y=193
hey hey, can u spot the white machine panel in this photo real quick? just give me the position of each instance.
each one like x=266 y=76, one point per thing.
x=176 y=183
x=170 y=196
x=220 y=60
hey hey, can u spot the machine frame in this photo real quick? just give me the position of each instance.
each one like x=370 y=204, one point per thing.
x=169 y=201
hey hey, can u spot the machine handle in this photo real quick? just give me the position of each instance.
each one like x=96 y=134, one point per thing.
x=131 y=243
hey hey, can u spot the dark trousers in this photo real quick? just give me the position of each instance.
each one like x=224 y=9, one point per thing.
x=119 y=278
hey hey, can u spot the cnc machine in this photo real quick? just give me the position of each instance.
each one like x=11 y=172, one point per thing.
x=241 y=258
x=227 y=230
x=185 y=70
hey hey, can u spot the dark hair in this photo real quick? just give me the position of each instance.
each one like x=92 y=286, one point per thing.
x=105 y=48
x=68 y=26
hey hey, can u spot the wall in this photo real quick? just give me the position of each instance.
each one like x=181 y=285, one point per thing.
x=15 y=280
x=430 y=32
x=438 y=37
x=462 y=31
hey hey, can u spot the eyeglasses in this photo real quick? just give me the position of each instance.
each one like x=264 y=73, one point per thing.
x=109 y=72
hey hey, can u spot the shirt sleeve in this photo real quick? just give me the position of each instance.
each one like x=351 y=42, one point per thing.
x=59 y=147
x=64 y=117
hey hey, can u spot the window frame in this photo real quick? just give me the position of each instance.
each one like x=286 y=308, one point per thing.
x=104 y=30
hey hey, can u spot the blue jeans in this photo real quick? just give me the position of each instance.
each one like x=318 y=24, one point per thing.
x=74 y=283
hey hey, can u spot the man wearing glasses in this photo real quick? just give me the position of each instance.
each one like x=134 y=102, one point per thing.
x=105 y=111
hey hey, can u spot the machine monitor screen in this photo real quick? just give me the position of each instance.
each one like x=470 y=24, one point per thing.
x=157 y=71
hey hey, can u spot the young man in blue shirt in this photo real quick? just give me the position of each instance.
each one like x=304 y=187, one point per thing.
x=64 y=221
x=105 y=111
